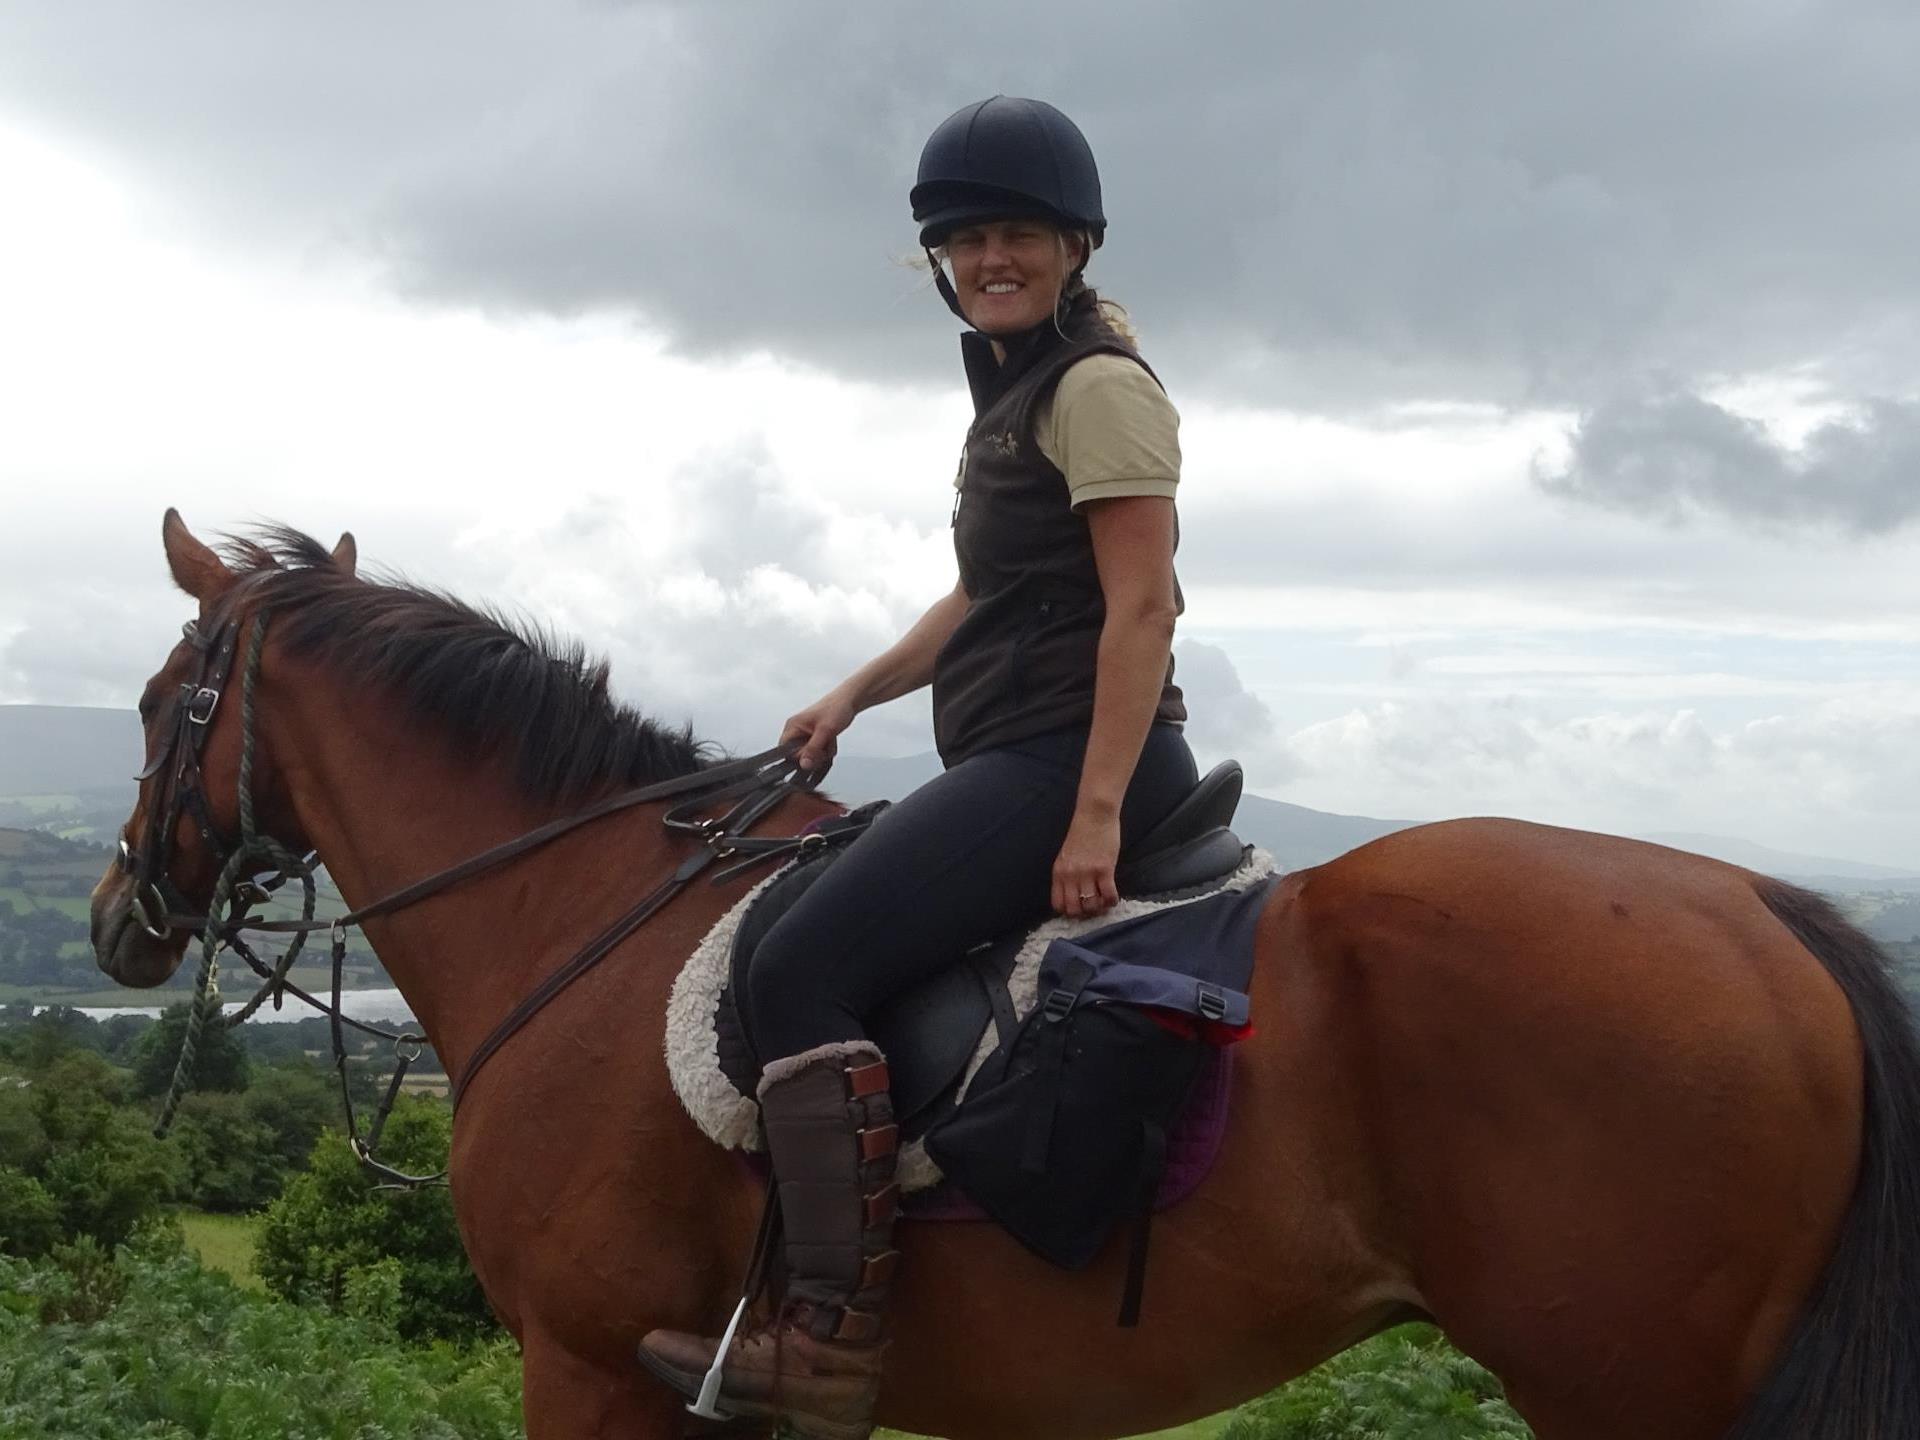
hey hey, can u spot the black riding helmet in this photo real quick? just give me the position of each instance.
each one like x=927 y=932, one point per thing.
x=1005 y=158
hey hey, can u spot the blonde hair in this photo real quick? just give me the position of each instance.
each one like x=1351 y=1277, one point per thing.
x=1112 y=312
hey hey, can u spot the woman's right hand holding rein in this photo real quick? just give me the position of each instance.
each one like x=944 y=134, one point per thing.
x=904 y=667
x=818 y=728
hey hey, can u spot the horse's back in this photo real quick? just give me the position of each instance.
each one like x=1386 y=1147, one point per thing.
x=1585 y=1061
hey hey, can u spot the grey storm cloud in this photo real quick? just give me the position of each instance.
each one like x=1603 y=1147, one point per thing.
x=1311 y=205
x=1677 y=456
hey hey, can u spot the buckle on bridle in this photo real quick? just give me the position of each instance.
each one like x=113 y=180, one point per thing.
x=200 y=706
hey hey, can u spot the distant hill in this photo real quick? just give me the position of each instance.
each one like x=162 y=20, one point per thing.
x=1779 y=862
x=61 y=749
x=65 y=769
x=1296 y=836
x=1299 y=837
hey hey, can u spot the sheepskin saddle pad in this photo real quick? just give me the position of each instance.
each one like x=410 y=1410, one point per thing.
x=935 y=1036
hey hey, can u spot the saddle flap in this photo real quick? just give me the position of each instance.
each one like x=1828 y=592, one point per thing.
x=932 y=1031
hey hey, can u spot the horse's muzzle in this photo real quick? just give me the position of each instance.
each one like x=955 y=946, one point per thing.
x=123 y=947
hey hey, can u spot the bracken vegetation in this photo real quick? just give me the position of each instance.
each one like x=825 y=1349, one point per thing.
x=350 y=1313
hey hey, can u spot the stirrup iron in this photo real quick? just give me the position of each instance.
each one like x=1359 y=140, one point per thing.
x=702 y=1404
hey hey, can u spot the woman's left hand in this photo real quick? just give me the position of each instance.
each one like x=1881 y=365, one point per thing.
x=1083 y=881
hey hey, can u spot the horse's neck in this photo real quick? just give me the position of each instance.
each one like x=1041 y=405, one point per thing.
x=385 y=803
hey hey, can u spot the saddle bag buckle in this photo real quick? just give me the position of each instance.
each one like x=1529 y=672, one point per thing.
x=1209 y=1002
x=1058 y=1004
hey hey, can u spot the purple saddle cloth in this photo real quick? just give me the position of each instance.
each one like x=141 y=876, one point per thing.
x=1193 y=1146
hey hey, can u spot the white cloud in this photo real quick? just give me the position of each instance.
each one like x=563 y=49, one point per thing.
x=1837 y=777
x=1386 y=615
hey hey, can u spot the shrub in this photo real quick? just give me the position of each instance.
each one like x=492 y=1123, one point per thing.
x=85 y=1285
x=102 y=1167
x=238 y=1150
x=29 y=1216
x=1407 y=1384
x=330 y=1225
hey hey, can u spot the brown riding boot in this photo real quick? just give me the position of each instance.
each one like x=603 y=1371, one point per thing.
x=830 y=1132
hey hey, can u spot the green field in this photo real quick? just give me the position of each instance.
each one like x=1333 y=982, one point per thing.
x=223 y=1243
x=73 y=906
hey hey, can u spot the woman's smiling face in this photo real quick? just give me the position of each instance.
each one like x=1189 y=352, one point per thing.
x=1009 y=273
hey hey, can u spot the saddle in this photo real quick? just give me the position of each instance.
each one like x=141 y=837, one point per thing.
x=934 y=1032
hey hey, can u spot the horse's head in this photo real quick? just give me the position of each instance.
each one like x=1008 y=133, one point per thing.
x=185 y=814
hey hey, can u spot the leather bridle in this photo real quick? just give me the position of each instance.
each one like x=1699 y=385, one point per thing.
x=157 y=902
x=754 y=785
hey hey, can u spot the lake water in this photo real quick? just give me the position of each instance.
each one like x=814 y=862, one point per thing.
x=370 y=1005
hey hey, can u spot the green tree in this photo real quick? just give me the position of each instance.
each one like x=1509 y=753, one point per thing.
x=220 y=1061
x=232 y=1163
x=29 y=1216
x=327 y=1235
x=38 y=1041
x=23 y=1139
x=103 y=1168
x=119 y=1036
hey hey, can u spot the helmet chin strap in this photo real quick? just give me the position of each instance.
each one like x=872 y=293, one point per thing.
x=947 y=293
x=945 y=286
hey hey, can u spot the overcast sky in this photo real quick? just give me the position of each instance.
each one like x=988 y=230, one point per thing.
x=1548 y=372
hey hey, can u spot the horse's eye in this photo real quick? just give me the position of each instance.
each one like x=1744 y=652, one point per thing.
x=148 y=705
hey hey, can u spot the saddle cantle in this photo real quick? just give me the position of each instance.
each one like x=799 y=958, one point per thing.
x=931 y=1033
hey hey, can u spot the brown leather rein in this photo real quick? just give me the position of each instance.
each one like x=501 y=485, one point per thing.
x=755 y=785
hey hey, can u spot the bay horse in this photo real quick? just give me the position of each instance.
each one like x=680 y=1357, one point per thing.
x=1639 y=1129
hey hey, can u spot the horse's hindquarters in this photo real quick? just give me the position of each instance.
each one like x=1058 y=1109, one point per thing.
x=1617 y=1110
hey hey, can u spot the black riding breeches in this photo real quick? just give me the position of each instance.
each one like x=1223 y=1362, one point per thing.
x=963 y=859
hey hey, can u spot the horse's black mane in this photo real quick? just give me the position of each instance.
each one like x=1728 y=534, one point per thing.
x=497 y=686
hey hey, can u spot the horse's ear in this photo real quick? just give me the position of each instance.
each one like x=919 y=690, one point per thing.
x=346 y=554
x=196 y=569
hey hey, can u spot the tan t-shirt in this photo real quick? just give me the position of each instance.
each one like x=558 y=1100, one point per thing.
x=1110 y=429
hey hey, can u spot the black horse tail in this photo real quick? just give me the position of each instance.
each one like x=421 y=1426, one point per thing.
x=1851 y=1370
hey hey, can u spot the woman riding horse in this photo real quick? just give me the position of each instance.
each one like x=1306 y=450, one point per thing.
x=1055 y=714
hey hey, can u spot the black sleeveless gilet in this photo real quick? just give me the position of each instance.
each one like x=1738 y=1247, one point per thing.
x=1023 y=660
